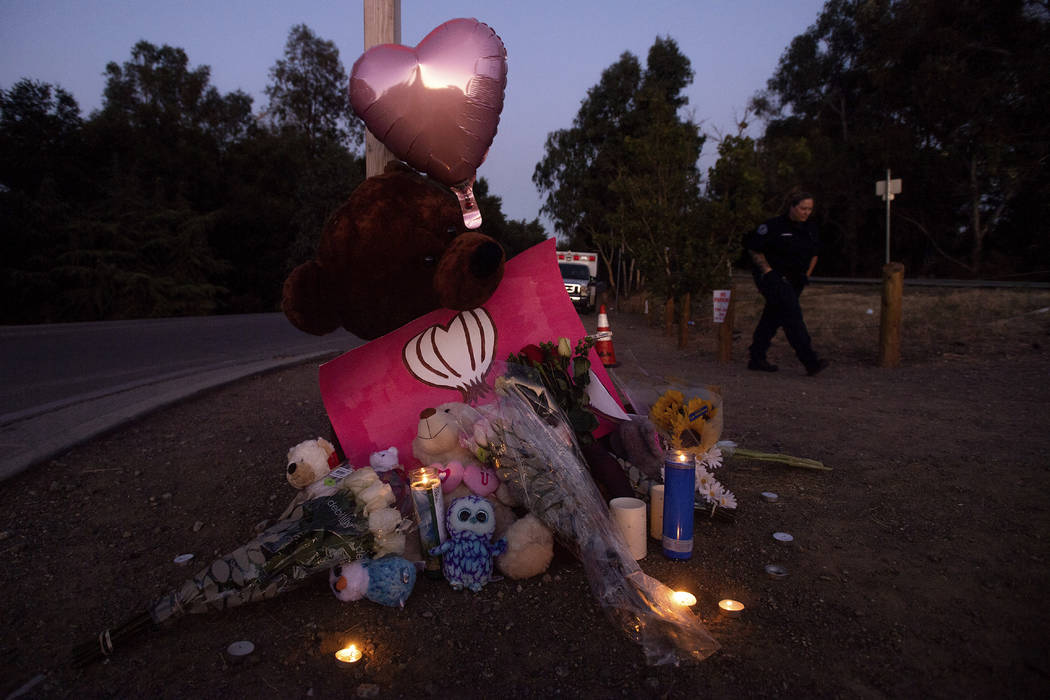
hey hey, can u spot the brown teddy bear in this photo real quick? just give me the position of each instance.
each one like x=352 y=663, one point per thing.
x=397 y=249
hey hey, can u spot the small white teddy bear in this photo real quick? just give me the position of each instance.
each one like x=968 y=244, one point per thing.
x=309 y=461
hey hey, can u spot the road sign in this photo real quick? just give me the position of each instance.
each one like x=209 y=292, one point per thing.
x=895 y=187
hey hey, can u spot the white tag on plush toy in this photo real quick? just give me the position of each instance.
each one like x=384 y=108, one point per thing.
x=337 y=474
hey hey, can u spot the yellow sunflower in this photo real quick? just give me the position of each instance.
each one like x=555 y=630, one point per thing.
x=666 y=409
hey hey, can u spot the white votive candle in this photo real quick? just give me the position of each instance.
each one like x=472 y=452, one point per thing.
x=730 y=607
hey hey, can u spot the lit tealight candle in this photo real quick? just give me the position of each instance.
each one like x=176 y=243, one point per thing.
x=684 y=598
x=349 y=655
x=731 y=607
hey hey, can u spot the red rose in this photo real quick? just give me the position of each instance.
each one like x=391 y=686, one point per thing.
x=533 y=353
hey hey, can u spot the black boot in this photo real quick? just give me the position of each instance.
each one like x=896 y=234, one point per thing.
x=761 y=365
x=816 y=368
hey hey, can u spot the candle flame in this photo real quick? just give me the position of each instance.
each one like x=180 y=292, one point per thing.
x=684 y=598
x=731 y=606
x=425 y=478
x=349 y=655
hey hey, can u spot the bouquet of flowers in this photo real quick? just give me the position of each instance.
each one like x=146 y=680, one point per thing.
x=316 y=535
x=695 y=425
x=535 y=452
x=565 y=372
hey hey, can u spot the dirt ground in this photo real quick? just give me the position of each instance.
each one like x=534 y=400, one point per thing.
x=919 y=566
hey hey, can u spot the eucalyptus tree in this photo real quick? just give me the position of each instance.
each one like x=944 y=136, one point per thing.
x=308 y=91
x=623 y=177
x=309 y=111
x=581 y=161
x=160 y=142
x=948 y=93
x=42 y=182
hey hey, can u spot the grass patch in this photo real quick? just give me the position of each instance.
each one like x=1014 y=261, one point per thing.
x=936 y=322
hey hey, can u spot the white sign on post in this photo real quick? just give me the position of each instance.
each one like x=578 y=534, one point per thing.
x=895 y=188
x=721 y=304
x=886 y=189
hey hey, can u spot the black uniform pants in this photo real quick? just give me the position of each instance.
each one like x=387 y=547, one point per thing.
x=782 y=310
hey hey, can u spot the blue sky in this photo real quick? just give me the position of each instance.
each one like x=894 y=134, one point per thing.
x=556 y=50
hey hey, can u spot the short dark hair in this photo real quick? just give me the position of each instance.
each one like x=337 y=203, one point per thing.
x=797 y=197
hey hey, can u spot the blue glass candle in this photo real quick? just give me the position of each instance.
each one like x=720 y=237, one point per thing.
x=679 y=484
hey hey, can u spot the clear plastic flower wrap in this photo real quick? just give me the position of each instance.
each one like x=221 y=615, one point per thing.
x=536 y=454
x=341 y=523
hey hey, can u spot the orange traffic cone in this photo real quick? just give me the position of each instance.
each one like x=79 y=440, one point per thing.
x=603 y=340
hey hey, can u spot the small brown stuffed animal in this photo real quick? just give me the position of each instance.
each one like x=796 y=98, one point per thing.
x=397 y=249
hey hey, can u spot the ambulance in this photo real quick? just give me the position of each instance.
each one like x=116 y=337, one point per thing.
x=579 y=273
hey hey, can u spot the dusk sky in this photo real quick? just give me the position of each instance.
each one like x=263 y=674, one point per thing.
x=556 y=50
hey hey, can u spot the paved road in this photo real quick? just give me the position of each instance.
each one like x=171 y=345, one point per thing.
x=62 y=384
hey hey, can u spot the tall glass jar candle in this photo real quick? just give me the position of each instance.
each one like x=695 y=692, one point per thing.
x=679 y=484
x=429 y=503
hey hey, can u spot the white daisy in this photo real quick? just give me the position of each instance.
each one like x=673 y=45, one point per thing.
x=727 y=499
x=712 y=459
x=704 y=481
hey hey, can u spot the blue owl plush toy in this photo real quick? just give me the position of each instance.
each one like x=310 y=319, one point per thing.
x=467 y=553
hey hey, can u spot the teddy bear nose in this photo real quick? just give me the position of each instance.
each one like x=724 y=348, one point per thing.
x=486 y=259
x=427 y=413
x=291 y=468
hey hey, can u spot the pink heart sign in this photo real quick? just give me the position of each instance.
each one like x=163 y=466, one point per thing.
x=435 y=106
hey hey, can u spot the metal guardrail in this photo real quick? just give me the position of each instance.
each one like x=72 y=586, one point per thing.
x=742 y=276
x=934 y=282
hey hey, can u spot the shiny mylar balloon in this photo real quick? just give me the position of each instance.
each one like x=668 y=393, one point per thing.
x=436 y=106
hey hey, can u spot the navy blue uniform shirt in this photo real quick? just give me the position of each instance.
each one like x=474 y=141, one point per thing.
x=788 y=245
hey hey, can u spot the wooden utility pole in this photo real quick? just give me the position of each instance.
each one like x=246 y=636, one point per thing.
x=382 y=26
x=890 y=323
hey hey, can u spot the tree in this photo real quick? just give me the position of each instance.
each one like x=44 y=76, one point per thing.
x=308 y=91
x=657 y=191
x=580 y=162
x=950 y=93
x=40 y=127
x=310 y=111
x=160 y=143
x=158 y=91
x=823 y=93
x=164 y=128
x=735 y=198
x=982 y=106
x=42 y=180
x=624 y=175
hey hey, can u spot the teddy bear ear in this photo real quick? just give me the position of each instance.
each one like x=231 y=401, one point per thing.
x=304 y=302
x=469 y=271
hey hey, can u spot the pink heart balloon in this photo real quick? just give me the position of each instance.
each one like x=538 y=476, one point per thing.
x=436 y=106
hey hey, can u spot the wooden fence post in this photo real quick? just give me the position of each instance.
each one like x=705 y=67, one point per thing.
x=890 y=321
